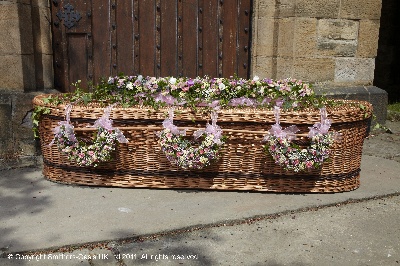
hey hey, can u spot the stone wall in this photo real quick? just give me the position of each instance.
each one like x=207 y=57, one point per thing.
x=25 y=45
x=331 y=42
x=25 y=67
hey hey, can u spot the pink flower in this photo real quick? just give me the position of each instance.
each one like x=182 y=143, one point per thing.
x=309 y=164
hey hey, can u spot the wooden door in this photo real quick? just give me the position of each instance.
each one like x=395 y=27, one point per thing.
x=94 y=39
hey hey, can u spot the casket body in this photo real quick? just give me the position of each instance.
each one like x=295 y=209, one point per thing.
x=243 y=164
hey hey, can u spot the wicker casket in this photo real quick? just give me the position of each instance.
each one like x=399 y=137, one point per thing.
x=243 y=163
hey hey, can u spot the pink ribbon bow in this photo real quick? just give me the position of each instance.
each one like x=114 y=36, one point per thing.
x=168 y=123
x=322 y=127
x=212 y=128
x=68 y=127
x=277 y=131
x=105 y=122
x=242 y=101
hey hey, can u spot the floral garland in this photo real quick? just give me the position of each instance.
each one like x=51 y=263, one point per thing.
x=293 y=158
x=196 y=92
x=88 y=154
x=181 y=152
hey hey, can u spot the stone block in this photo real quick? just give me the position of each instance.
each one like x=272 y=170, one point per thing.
x=17 y=146
x=48 y=73
x=263 y=67
x=42 y=30
x=284 y=67
x=360 y=9
x=335 y=48
x=266 y=8
x=16 y=29
x=358 y=71
x=11 y=72
x=286 y=27
x=318 y=8
x=276 y=9
x=368 y=38
x=305 y=37
x=10 y=42
x=314 y=69
x=25 y=29
x=17 y=72
x=337 y=37
x=8 y=11
x=10 y=38
x=285 y=8
x=337 y=29
x=264 y=45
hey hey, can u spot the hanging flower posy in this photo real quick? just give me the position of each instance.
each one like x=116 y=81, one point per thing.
x=293 y=158
x=182 y=152
x=82 y=153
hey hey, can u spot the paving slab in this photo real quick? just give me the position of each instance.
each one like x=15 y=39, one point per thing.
x=36 y=213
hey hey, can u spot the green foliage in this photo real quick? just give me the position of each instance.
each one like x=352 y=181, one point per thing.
x=36 y=114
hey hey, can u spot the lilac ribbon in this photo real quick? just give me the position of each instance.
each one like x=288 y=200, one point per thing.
x=277 y=131
x=68 y=127
x=168 y=123
x=105 y=122
x=168 y=99
x=212 y=128
x=242 y=101
x=214 y=104
x=322 y=127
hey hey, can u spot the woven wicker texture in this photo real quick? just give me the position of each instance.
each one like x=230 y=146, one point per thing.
x=242 y=166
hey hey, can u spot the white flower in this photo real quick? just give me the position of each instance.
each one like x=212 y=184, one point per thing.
x=140 y=77
x=256 y=78
x=129 y=86
x=172 y=80
x=110 y=80
x=221 y=86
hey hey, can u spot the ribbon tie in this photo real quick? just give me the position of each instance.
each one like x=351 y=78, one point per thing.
x=277 y=131
x=322 y=127
x=212 y=129
x=105 y=122
x=169 y=124
x=68 y=127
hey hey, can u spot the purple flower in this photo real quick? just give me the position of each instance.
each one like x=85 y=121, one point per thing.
x=190 y=82
x=279 y=102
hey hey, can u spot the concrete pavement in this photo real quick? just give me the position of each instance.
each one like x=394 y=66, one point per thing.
x=44 y=223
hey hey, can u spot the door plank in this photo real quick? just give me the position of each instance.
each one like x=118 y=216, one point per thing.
x=147 y=38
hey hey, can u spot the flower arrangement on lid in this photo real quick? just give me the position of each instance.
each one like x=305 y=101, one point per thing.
x=182 y=152
x=82 y=153
x=213 y=93
x=294 y=158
